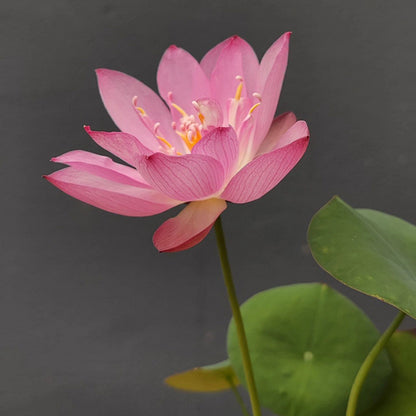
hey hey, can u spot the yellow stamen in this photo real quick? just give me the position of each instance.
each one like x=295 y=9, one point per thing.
x=199 y=136
x=180 y=109
x=201 y=118
x=239 y=90
x=141 y=110
x=186 y=140
x=164 y=141
x=254 y=107
x=179 y=153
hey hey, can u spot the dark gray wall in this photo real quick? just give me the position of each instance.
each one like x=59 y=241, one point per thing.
x=92 y=318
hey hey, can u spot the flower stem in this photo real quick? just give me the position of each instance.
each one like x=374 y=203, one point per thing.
x=368 y=363
x=242 y=340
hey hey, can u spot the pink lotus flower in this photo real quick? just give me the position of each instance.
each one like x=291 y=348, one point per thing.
x=215 y=141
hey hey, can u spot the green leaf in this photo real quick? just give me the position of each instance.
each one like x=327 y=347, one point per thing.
x=367 y=250
x=307 y=343
x=400 y=398
x=209 y=378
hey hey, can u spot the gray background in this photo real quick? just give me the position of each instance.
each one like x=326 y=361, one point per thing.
x=92 y=318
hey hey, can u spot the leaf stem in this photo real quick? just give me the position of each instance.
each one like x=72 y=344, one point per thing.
x=242 y=340
x=368 y=363
x=239 y=399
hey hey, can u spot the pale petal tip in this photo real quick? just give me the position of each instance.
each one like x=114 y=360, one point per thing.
x=304 y=124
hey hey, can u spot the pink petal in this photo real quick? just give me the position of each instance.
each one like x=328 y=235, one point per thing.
x=238 y=113
x=222 y=145
x=210 y=59
x=245 y=138
x=264 y=172
x=123 y=145
x=179 y=73
x=110 y=196
x=238 y=49
x=236 y=58
x=117 y=92
x=189 y=227
x=101 y=166
x=271 y=75
x=279 y=126
x=185 y=178
x=299 y=129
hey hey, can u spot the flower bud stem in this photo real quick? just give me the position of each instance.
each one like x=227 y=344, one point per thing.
x=248 y=369
x=368 y=363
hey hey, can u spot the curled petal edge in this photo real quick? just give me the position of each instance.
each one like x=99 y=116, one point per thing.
x=189 y=227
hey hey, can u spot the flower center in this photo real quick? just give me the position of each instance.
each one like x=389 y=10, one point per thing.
x=190 y=128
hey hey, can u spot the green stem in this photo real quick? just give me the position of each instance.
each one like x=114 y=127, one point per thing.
x=368 y=363
x=239 y=399
x=242 y=340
